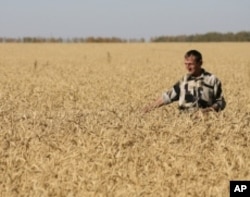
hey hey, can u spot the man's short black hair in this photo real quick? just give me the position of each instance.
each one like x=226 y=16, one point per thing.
x=196 y=54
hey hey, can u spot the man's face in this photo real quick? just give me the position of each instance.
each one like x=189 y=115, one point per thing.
x=192 y=66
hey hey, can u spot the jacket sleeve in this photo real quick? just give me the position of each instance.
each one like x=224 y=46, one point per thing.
x=219 y=101
x=172 y=95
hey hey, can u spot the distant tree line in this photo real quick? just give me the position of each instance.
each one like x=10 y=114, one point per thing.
x=243 y=36
x=68 y=40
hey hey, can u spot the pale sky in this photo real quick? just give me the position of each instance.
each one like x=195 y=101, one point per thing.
x=121 y=18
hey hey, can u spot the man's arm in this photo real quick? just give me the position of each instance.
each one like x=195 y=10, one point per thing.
x=167 y=98
x=208 y=109
x=157 y=103
x=220 y=102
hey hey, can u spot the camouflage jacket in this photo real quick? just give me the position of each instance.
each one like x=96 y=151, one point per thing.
x=197 y=92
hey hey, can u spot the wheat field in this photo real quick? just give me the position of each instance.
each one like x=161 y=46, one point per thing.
x=71 y=122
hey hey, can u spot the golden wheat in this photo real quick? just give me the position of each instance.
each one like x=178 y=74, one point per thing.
x=71 y=125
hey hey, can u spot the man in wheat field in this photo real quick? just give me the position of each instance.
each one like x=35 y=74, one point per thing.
x=197 y=90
